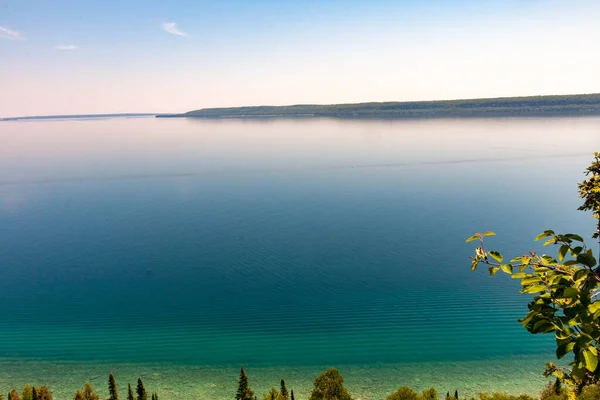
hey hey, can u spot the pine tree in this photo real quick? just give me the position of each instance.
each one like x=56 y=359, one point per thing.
x=154 y=396
x=292 y=394
x=34 y=394
x=79 y=395
x=244 y=392
x=112 y=387
x=13 y=395
x=130 y=393
x=447 y=395
x=456 y=394
x=27 y=393
x=284 y=391
x=141 y=391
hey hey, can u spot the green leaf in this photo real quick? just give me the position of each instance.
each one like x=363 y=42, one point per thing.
x=574 y=237
x=542 y=326
x=591 y=360
x=535 y=289
x=578 y=372
x=587 y=259
x=570 y=293
x=594 y=307
x=519 y=275
x=532 y=280
x=474 y=264
x=563 y=350
x=474 y=237
x=507 y=268
x=496 y=256
x=562 y=252
x=493 y=270
x=544 y=234
x=550 y=241
x=489 y=234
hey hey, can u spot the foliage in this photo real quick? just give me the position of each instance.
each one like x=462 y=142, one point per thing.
x=130 y=393
x=406 y=393
x=42 y=393
x=329 y=386
x=244 y=392
x=403 y=393
x=141 y=390
x=27 y=393
x=429 y=394
x=591 y=392
x=589 y=191
x=87 y=393
x=553 y=391
x=292 y=394
x=13 y=395
x=112 y=387
x=503 y=396
x=283 y=391
x=565 y=291
x=272 y=395
x=154 y=396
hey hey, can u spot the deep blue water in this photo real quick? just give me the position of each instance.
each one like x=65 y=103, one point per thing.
x=276 y=243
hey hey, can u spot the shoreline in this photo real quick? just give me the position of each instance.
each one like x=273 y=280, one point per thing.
x=513 y=375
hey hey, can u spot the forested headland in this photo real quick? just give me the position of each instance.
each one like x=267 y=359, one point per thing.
x=563 y=105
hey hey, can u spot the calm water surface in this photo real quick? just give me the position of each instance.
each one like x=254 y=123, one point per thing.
x=276 y=243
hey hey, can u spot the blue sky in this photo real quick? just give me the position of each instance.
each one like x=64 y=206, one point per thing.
x=169 y=56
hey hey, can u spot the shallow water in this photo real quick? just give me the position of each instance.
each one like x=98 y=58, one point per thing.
x=284 y=245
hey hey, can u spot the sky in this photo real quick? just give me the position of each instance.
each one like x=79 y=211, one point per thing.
x=112 y=56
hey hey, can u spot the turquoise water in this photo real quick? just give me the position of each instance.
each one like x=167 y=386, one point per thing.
x=282 y=245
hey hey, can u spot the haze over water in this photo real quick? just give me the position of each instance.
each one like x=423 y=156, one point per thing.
x=281 y=244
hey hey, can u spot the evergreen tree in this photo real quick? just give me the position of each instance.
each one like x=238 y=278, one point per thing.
x=112 y=387
x=447 y=395
x=456 y=394
x=243 y=392
x=34 y=394
x=283 y=392
x=88 y=392
x=130 y=393
x=13 y=395
x=292 y=394
x=27 y=393
x=330 y=385
x=79 y=395
x=43 y=393
x=141 y=391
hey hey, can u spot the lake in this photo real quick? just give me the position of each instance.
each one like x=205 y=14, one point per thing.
x=180 y=249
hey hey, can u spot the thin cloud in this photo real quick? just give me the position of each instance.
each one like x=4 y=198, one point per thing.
x=6 y=33
x=171 y=27
x=66 y=47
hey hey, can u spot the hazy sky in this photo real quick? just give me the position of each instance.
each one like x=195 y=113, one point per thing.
x=66 y=57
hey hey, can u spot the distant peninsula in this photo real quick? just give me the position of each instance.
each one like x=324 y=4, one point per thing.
x=78 y=116
x=561 y=105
